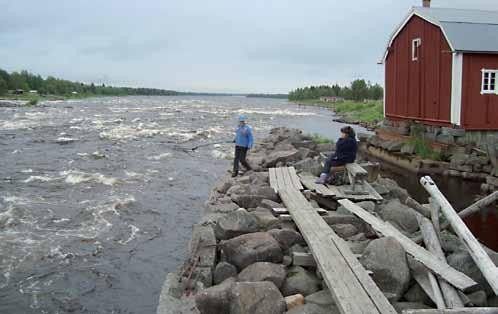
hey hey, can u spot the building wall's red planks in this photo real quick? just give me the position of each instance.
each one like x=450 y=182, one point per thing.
x=479 y=112
x=420 y=89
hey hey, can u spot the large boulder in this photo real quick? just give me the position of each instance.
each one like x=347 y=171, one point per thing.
x=286 y=238
x=309 y=165
x=386 y=258
x=221 y=207
x=300 y=281
x=322 y=298
x=251 y=197
x=234 y=224
x=256 y=298
x=216 y=299
x=263 y=271
x=224 y=271
x=247 y=249
x=345 y=230
x=269 y=204
x=401 y=216
x=283 y=156
x=265 y=219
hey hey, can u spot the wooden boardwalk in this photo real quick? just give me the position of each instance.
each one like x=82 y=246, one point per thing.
x=284 y=178
x=341 y=192
x=353 y=290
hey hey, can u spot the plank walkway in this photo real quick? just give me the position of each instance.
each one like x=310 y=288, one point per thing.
x=283 y=178
x=340 y=192
x=354 y=292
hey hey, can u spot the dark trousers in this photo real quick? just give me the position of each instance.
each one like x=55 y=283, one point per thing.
x=240 y=156
x=331 y=162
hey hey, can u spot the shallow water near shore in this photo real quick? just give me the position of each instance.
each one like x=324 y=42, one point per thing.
x=98 y=196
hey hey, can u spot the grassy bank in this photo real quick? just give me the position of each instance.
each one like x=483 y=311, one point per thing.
x=368 y=113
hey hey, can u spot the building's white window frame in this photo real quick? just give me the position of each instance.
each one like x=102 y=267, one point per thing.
x=489 y=83
x=416 y=43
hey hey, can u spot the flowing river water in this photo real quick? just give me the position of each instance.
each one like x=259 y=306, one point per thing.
x=98 y=196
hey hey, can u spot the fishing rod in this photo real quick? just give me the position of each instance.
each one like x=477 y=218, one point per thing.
x=208 y=144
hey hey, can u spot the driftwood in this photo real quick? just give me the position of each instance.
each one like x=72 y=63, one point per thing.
x=479 y=255
x=456 y=278
x=466 y=310
x=431 y=240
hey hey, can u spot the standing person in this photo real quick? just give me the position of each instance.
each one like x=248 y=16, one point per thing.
x=345 y=153
x=243 y=142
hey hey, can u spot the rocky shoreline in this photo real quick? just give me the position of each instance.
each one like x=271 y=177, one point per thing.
x=240 y=257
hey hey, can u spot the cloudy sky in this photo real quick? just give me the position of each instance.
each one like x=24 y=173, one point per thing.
x=204 y=45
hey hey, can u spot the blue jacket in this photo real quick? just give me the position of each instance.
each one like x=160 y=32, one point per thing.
x=243 y=136
x=345 y=150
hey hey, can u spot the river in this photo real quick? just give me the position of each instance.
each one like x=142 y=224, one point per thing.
x=97 y=196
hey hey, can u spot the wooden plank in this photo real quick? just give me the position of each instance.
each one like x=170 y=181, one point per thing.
x=421 y=275
x=309 y=183
x=479 y=255
x=347 y=292
x=295 y=179
x=431 y=240
x=372 y=191
x=356 y=170
x=466 y=310
x=456 y=278
x=280 y=178
x=287 y=179
x=273 y=179
x=284 y=211
x=303 y=259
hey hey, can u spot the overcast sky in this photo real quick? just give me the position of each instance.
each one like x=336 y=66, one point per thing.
x=204 y=45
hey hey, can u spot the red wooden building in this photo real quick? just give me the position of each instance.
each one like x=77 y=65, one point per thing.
x=441 y=68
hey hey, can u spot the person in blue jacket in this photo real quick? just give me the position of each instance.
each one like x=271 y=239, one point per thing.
x=243 y=142
x=345 y=153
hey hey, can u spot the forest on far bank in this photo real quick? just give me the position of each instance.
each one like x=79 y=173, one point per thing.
x=53 y=86
x=358 y=90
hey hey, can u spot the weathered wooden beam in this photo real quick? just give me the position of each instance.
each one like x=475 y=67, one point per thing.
x=303 y=259
x=345 y=287
x=295 y=178
x=456 y=278
x=273 y=179
x=466 y=310
x=474 y=208
x=431 y=240
x=422 y=276
x=479 y=255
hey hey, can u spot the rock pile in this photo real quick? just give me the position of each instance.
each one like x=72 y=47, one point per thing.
x=244 y=253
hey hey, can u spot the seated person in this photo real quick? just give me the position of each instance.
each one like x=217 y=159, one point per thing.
x=345 y=153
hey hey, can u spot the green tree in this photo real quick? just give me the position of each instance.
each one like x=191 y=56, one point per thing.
x=359 y=90
x=3 y=86
x=17 y=81
x=376 y=92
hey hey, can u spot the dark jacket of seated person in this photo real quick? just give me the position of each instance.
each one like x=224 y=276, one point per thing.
x=345 y=150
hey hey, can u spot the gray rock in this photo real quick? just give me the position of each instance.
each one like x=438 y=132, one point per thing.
x=367 y=205
x=478 y=298
x=265 y=219
x=417 y=295
x=256 y=298
x=450 y=242
x=300 y=281
x=170 y=300
x=283 y=156
x=270 y=204
x=252 y=197
x=345 y=230
x=401 y=216
x=234 y=224
x=463 y=262
x=325 y=147
x=286 y=237
x=310 y=165
x=222 y=208
x=216 y=299
x=386 y=258
x=400 y=306
x=247 y=249
x=263 y=271
x=322 y=298
x=312 y=309
x=224 y=271
x=224 y=184
x=358 y=247
x=493 y=301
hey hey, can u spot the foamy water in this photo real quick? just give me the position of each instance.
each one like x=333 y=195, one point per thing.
x=98 y=196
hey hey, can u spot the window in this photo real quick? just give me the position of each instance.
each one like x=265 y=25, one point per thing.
x=416 y=43
x=489 y=82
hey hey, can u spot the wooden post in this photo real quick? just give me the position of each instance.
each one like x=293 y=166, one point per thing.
x=432 y=244
x=480 y=257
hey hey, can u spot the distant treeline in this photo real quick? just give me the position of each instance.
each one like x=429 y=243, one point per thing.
x=53 y=86
x=279 y=96
x=358 y=90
